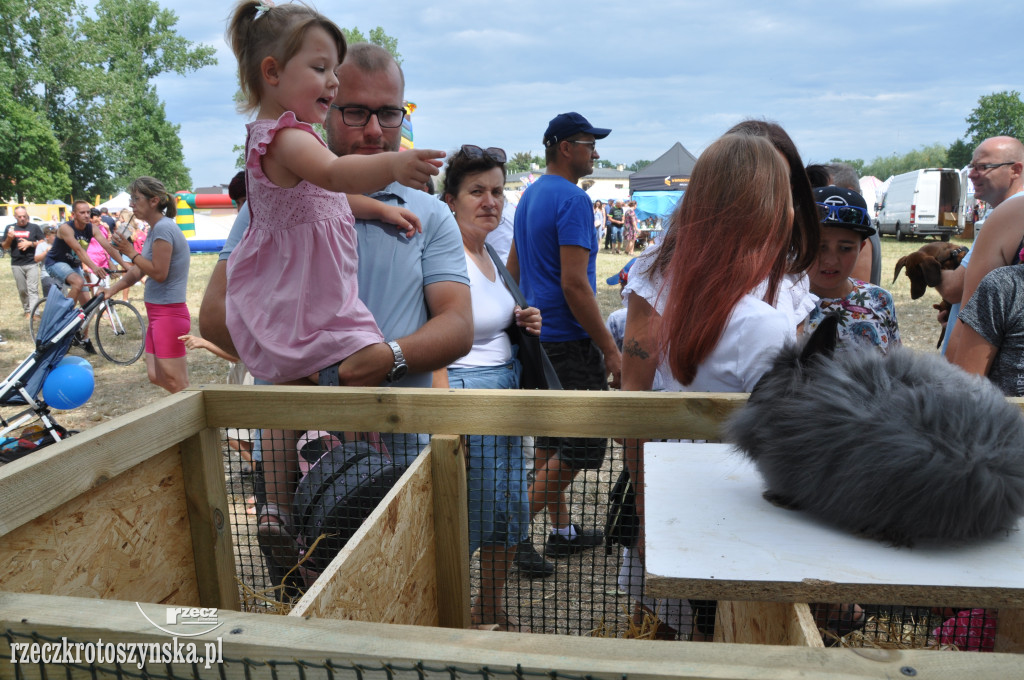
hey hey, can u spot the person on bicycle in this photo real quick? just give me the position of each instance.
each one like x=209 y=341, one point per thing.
x=68 y=254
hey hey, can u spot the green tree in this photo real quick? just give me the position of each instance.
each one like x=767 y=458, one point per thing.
x=145 y=44
x=959 y=154
x=377 y=37
x=144 y=142
x=856 y=163
x=522 y=161
x=32 y=168
x=637 y=166
x=79 y=71
x=1000 y=113
x=38 y=52
x=933 y=156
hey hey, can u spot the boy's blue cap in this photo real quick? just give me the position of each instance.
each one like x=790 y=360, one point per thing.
x=623 y=275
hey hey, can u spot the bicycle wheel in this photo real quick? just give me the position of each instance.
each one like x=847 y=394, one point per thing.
x=120 y=332
x=33 y=320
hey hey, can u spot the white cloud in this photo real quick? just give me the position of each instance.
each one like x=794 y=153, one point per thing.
x=862 y=79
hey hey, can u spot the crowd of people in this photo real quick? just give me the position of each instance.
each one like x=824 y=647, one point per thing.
x=618 y=225
x=756 y=255
x=45 y=254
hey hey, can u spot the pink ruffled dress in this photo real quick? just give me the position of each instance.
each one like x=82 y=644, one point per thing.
x=292 y=306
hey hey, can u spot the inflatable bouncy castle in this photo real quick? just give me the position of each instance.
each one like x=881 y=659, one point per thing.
x=407 y=126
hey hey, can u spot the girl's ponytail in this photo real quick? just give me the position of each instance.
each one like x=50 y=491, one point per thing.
x=171 y=207
x=259 y=29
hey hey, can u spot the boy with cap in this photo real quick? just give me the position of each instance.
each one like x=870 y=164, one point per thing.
x=554 y=257
x=866 y=312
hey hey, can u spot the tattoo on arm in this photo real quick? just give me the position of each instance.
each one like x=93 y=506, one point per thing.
x=633 y=349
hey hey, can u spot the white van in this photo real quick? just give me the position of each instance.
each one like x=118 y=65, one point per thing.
x=921 y=203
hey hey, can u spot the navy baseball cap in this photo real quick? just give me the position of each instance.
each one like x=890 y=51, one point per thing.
x=840 y=207
x=565 y=125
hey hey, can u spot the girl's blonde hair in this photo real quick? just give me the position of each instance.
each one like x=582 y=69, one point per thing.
x=150 y=187
x=257 y=31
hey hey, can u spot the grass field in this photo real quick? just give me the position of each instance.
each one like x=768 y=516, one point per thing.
x=121 y=389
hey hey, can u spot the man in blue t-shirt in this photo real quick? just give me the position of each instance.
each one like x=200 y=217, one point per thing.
x=554 y=256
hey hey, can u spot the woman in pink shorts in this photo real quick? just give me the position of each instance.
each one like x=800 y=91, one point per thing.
x=165 y=260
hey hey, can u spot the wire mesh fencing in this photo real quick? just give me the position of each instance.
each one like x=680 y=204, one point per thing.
x=558 y=587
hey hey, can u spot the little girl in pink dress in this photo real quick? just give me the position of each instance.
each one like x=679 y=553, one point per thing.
x=291 y=306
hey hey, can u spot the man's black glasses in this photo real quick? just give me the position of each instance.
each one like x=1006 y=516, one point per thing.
x=985 y=167
x=358 y=116
x=848 y=214
x=492 y=152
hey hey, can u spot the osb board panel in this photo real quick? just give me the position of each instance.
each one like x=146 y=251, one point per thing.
x=451 y=530
x=767 y=623
x=420 y=653
x=127 y=539
x=44 y=480
x=385 y=573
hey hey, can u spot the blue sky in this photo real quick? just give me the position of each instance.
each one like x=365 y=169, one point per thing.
x=849 y=80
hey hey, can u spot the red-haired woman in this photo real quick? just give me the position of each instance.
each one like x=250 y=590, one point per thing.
x=702 y=308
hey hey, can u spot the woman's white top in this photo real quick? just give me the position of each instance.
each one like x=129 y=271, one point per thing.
x=753 y=335
x=493 y=309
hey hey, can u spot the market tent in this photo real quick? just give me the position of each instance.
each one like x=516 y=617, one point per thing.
x=117 y=203
x=656 y=203
x=670 y=172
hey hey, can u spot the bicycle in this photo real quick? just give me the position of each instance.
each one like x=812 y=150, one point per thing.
x=119 y=330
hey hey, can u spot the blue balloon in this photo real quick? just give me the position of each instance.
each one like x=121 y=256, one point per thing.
x=68 y=386
x=81 y=361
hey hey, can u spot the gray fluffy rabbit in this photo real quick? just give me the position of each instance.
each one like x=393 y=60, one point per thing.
x=900 y=448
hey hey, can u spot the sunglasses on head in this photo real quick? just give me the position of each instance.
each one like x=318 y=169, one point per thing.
x=847 y=214
x=473 y=151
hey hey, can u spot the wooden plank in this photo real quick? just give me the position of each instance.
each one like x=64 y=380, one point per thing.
x=1010 y=631
x=802 y=630
x=451 y=530
x=385 y=573
x=127 y=539
x=45 y=480
x=418 y=653
x=507 y=412
x=766 y=623
x=206 y=494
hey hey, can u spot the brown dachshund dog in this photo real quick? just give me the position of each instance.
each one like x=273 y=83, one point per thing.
x=924 y=268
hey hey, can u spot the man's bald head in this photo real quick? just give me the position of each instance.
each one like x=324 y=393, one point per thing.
x=996 y=184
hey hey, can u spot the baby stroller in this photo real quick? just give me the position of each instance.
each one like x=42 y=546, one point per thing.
x=57 y=328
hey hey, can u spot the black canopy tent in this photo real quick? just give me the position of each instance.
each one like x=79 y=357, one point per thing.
x=670 y=172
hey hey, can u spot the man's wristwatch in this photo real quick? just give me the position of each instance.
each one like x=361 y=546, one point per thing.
x=400 y=368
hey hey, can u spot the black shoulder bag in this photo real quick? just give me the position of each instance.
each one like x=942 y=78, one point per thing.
x=623 y=523
x=538 y=373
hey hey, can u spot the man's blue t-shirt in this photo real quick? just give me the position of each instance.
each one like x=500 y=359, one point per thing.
x=552 y=213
